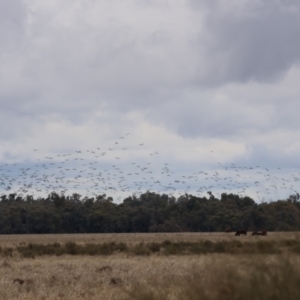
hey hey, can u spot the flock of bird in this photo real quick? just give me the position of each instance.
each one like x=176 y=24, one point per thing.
x=111 y=171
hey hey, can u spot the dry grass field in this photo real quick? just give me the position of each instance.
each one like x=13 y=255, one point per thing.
x=132 y=238
x=152 y=275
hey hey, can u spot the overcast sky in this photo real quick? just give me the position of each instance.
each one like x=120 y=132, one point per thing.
x=183 y=77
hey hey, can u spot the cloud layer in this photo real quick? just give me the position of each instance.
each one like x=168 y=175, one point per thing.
x=202 y=73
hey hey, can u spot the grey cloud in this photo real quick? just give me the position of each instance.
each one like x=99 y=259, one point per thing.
x=209 y=118
x=77 y=68
x=249 y=41
x=264 y=156
x=15 y=126
x=12 y=18
x=74 y=66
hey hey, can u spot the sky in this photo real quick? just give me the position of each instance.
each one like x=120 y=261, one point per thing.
x=211 y=86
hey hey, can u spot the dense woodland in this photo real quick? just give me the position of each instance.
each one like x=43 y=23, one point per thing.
x=150 y=212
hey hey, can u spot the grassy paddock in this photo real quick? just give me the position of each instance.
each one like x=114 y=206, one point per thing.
x=213 y=276
x=135 y=238
x=165 y=248
x=249 y=279
x=151 y=244
x=151 y=267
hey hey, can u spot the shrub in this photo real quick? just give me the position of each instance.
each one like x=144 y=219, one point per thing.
x=154 y=247
x=71 y=248
x=7 y=252
x=141 y=249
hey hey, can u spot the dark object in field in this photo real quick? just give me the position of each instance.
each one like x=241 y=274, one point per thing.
x=115 y=281
x=104 y=268
x=18 y=280
x=264 y=232
x=229 y=229
x=255 y=233
x=241 y=231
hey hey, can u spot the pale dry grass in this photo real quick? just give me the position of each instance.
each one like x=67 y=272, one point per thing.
x=75 y=277
x=117 y=277
x=123 y=276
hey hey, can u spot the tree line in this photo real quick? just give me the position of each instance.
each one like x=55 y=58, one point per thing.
x=149 y=212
